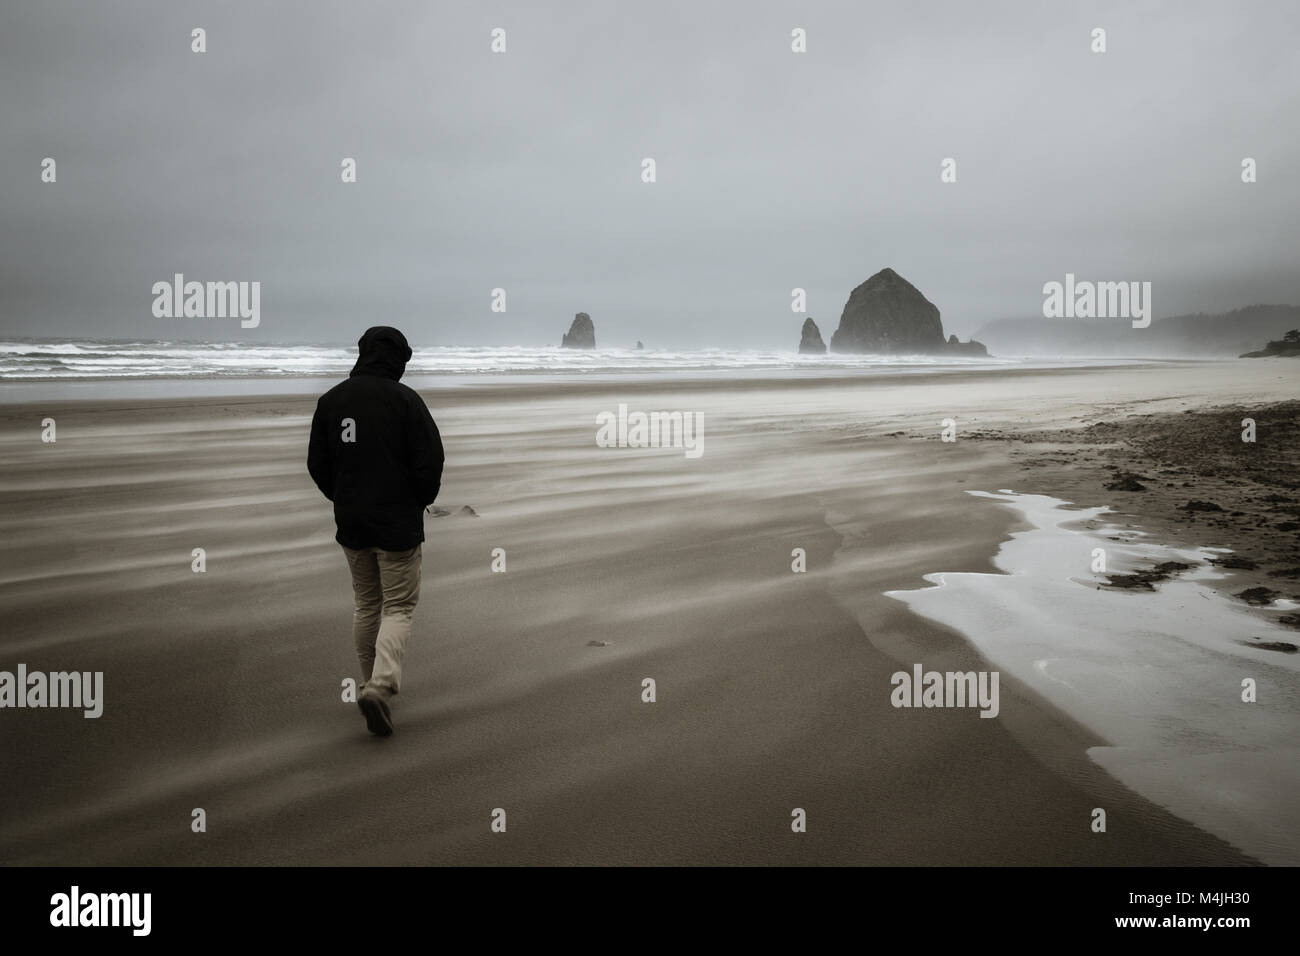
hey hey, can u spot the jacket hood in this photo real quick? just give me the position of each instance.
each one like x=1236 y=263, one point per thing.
x=383 y=351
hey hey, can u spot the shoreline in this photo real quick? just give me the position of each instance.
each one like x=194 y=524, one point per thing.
x=45 y=391
x=1201 y=751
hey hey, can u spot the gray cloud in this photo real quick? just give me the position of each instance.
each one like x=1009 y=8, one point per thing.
x=521 y=170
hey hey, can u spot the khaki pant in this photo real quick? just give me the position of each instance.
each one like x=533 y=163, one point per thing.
x=385 y=588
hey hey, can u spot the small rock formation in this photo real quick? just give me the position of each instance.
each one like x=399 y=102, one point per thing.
x=1259 y=596
x=965 y=348
x=887 y=314
x=810 y=342
x=639 y=345
x=1235 y=561
x=1127 y=481
x=1148 y=579
x=581 y=334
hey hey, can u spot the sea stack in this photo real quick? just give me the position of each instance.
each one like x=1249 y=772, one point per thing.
x=972 y=347
x=888 y=315
x=581 y=334
x=810 y=342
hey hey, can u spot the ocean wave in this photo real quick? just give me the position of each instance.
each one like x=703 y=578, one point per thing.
x=68 y=360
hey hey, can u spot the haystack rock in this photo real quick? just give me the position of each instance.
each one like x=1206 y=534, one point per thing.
x=888 y=314
x=581 y=334
x=810 y=342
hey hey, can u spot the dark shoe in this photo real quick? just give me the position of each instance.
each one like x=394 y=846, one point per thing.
x=379 y=719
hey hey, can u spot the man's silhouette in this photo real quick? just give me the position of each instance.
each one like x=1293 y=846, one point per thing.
x=376 y=453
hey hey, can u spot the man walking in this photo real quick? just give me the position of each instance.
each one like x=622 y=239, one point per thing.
x=376 y=453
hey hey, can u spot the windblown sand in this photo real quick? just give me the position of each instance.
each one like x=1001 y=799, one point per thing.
x=223 y=689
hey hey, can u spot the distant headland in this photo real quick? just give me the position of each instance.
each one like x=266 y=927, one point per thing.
x=1288 y=345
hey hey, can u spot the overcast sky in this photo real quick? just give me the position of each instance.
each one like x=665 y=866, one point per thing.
x=522 y=170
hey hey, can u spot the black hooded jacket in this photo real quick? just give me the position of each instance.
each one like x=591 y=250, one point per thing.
x=375 y=450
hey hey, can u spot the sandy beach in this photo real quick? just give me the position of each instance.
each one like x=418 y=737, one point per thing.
x=523 y=689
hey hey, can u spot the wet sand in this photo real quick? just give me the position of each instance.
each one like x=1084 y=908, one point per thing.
x=222 y=689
